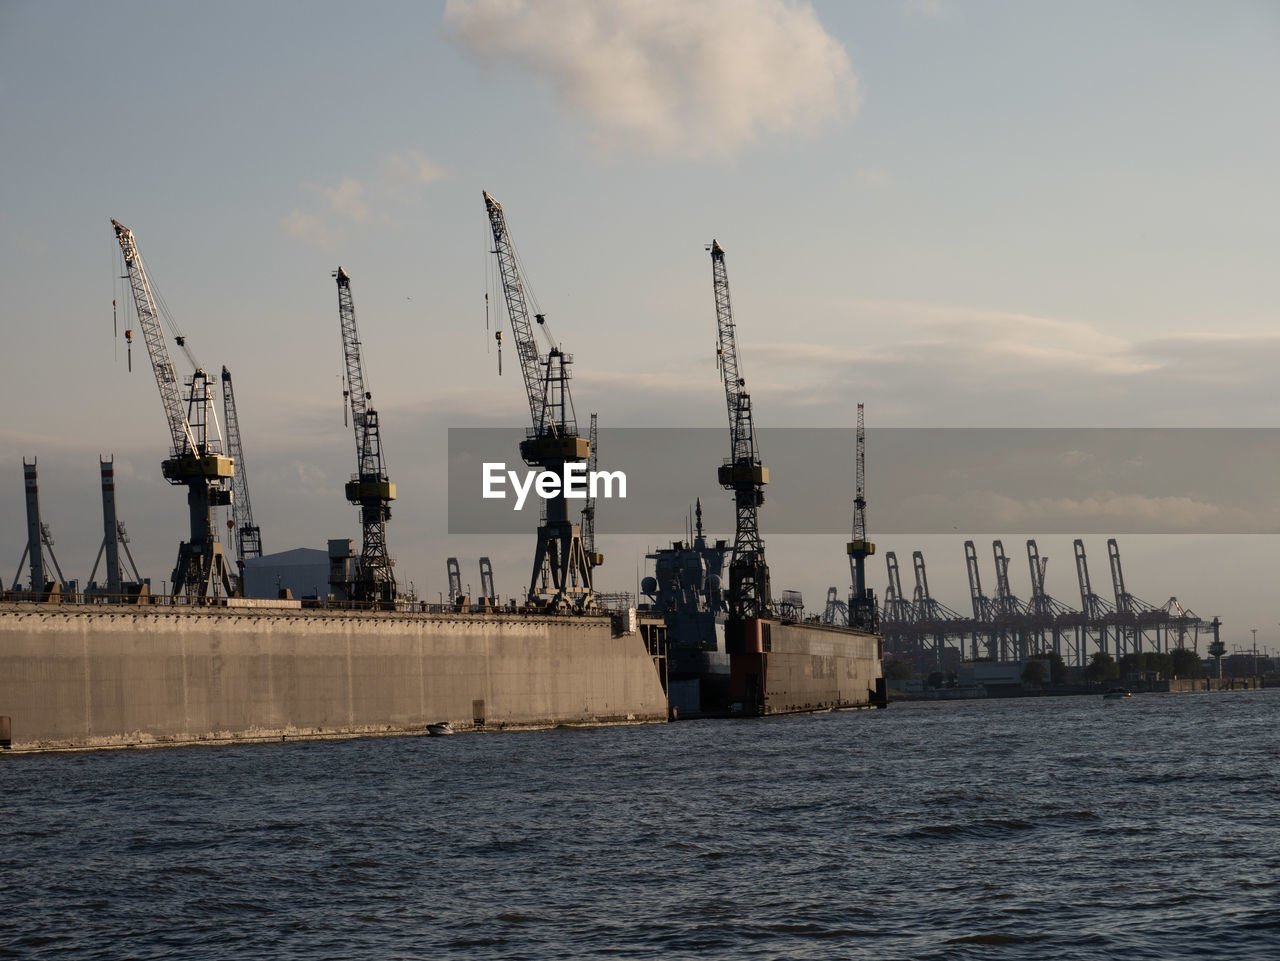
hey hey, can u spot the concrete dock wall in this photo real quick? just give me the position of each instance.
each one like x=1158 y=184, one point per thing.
x=97 y=676
x=814 y=667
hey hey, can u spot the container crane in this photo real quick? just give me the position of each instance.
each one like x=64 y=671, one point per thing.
x=487 y=591
x=552 y=441
x=114 y=537
x=863 y=614
x=33 y=551
x=742 y=473
x=370 y=488
x=896 y=606
x=248 y=535
x=196 y=458
x=1096 y=610
x=455 y=579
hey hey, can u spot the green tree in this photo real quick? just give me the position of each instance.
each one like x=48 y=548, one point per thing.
x=896 y=669
x=1162 y=664
x=1102 y=667
x=1130 y=664
x=1057 y=668
x=1034 y=673
x=1186 y=663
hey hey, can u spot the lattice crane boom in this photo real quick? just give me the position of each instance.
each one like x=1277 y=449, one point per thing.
x=370 y=487
x=594 y=557
x=149 y=320
x=742 y=473
x=862 y=602
x=248 y=534
x=197 y=460
x=552 y=441
x=531 y=364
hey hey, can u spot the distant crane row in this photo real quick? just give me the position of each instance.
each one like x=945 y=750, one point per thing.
x=1000 y=626
x=1003 y=627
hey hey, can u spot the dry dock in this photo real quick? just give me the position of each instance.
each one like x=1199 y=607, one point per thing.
x=84 y=676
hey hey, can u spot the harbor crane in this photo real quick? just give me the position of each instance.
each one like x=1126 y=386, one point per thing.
x=742 y=473
x=487 y=591
x=553 y=440
x=196 y=460
x=114 y=537
x=594 y=557
x=455 y=579
x=896 y=606
x=370 y=488
x=247 y=534
x=863 y=614
x=39 y=540
x=33 y=550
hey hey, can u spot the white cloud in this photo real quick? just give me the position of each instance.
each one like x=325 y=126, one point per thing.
x=309 y=229
x=928 y=9
x=351 y=201
x=674 y=77
x=346 y=199
x=410 y=167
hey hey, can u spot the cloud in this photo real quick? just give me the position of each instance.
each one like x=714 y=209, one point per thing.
x=346 y=199
x=309 y=229
x=928 y=9
x=698 y=78
x=353 y=202
x=410 y=167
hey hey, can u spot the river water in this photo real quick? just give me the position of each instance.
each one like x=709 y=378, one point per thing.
x=1022 y=829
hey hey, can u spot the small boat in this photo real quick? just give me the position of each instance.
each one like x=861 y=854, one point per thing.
x=440 y=730
x=1115 y=693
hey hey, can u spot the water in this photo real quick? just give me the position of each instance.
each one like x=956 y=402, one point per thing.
x=1040 y=828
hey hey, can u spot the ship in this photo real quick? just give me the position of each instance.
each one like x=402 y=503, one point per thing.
x=717 y=665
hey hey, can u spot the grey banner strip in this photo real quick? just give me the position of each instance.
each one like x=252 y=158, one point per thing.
x=919 y=480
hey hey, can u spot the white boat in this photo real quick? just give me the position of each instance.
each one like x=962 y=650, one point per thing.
x=440 y=730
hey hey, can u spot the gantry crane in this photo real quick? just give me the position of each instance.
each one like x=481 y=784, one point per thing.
x=114 y=537
x=863 y=614
x=248 y=535
x=742 y=473
x=369 y=488
x=487 y=591
x=551 y=442
x=896 y=606
x=39 y=540
x=33 y=551
x=196 y=458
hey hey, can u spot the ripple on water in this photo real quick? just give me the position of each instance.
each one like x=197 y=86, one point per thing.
x=1009 y=830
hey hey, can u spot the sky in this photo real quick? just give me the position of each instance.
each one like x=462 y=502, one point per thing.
x=962 y=214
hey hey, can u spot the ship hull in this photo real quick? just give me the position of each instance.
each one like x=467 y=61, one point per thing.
x=781 y=667
x=84 y=676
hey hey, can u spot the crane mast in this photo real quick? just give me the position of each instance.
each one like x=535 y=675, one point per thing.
x=551 y=442
x=370 y=489
x=248 y=535
x=742 y=473
x=197 y=460
x=594 y=557
x=863 y=614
